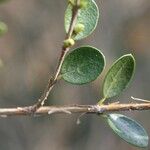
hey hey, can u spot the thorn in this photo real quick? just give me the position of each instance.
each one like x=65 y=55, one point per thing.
x=78 y=121
x=138 y=99
x=42 y=103
x=130 y=109
x=79 y=118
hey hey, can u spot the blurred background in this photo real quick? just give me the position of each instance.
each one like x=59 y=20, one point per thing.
x=29 y=53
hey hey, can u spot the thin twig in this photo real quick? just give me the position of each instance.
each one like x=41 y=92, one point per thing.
x=140 y=100
x=70 y=109
x=64 y=51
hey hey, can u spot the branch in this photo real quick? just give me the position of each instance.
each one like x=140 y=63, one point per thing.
x=94 y=109
x=64 y=51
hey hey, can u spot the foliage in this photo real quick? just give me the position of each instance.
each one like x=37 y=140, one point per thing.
x=84 y=65
x=118 y=76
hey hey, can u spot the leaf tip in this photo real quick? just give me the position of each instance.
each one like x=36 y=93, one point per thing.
x=129 y=55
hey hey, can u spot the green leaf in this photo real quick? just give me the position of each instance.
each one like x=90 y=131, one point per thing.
x=83 y=65
x=118 y=76
x=87 y=16
x=128 y=129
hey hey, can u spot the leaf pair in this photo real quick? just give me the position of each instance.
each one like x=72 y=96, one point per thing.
x=85 y=64
x=116 y=80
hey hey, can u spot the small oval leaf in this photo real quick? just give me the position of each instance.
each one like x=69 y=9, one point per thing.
x=83 y=65
x=118 y=76
x=128 y=129
x=87 y=16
